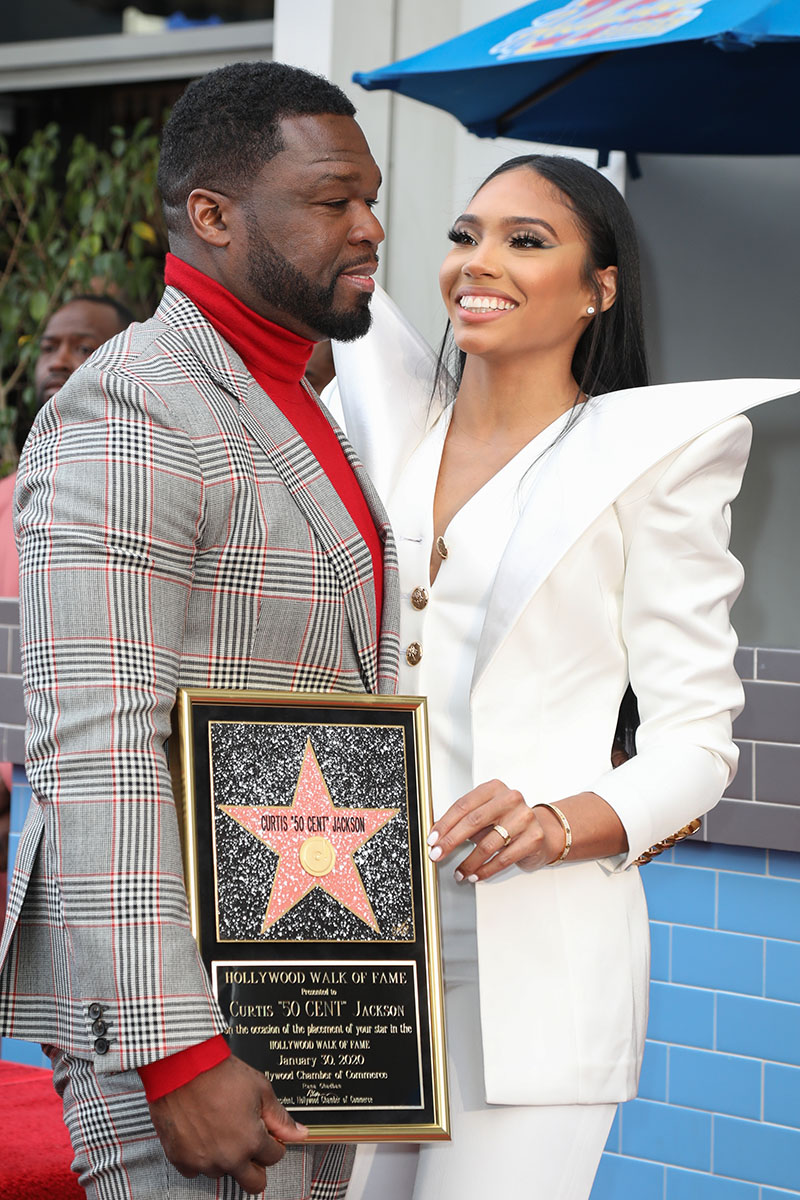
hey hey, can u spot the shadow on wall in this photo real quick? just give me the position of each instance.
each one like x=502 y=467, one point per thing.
x=765 y=530
x=720 y=265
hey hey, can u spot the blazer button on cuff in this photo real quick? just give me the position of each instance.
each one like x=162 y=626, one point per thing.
x=102 y=1045
x=95 y=1011
x=413 y=654
x=419 y=597
x=99 y=1027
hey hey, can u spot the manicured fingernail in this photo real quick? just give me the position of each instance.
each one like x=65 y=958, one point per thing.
x=433 y=837
x=457 y=876
x=435 y=853
x=472 y=878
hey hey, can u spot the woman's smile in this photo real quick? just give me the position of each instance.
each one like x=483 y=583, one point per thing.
x=480 y=304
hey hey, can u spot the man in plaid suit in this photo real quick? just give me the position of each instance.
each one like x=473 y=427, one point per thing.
x=188 y=516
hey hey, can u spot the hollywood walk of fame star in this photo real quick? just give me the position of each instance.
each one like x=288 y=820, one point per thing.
x=315 y=841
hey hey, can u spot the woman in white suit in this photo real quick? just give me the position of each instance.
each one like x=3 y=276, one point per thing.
x=560 y=538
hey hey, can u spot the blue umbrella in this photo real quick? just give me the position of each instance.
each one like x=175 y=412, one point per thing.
x=653 y=76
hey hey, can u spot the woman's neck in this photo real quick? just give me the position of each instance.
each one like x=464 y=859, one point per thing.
x=512 y=400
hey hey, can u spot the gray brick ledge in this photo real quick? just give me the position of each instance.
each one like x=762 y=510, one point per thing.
x=12 y=700
x=748 y=823
x=12 y=744
x=9 y=611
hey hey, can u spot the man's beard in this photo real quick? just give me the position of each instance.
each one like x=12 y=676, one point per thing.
x=288 y=290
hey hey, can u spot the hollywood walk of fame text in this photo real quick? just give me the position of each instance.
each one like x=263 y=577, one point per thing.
x=338 y=1036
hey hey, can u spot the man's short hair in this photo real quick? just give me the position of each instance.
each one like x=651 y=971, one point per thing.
x=227 y=125
x=123 y=313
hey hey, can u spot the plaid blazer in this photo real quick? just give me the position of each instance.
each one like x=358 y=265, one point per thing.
x=174 y=530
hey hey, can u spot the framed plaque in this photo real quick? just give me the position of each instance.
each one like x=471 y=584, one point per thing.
x=313 y=901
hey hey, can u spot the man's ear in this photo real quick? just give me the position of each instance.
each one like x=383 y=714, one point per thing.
x=209 y=216
x=607 y=283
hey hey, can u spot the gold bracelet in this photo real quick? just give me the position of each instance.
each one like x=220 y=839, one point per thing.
x=565 y=825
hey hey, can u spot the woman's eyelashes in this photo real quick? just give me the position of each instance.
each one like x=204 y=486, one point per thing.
x=528 y=239
x=525 y=240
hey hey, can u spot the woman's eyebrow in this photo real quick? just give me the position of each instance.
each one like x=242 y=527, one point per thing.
x=471 y=219
x=530 y=221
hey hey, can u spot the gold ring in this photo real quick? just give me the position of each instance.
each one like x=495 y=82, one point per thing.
x=504 y=834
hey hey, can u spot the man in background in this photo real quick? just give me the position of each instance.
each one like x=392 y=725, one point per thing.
x=73 y=332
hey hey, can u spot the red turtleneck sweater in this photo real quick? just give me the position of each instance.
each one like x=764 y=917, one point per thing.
x=277 y=359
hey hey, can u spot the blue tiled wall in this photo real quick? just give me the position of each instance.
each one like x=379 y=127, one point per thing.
x=718 y=1111
x=10 y=1049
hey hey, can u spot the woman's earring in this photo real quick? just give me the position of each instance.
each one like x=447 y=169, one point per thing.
x=590 y=310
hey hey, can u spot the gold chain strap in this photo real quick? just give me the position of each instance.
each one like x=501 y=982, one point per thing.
x=659 y=847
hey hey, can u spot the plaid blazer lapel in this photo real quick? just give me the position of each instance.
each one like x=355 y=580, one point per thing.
x=310 y=489
x=207 y=352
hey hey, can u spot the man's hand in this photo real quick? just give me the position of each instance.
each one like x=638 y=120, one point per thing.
x=226 y=1121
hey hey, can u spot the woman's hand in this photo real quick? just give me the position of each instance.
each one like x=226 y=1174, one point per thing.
x=536 y=835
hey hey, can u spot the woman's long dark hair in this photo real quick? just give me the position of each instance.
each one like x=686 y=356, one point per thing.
x=610 y=354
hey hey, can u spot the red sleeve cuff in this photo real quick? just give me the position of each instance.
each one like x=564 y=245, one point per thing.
x=167 y=1074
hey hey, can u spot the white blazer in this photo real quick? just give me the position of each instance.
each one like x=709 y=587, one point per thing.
x=618 y=569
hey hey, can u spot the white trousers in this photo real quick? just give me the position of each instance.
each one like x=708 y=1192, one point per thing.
x=513 y=1152
x=517 y=1154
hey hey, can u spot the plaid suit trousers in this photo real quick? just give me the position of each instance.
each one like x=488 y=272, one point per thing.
x=119 y=1157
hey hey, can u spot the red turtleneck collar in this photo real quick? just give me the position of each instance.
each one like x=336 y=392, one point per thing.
x=265 y=348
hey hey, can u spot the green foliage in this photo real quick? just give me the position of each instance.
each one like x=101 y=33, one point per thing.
x=88 y=224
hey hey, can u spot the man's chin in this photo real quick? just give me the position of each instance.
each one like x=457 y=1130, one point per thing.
x=348 y=326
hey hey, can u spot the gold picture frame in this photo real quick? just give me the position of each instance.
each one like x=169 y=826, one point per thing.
x=303 y=821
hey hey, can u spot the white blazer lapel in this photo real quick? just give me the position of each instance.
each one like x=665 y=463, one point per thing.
x=385 y=385
x=618 y=438
x=388 y=645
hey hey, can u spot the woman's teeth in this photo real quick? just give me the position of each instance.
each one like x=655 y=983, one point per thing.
x=485 y=303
